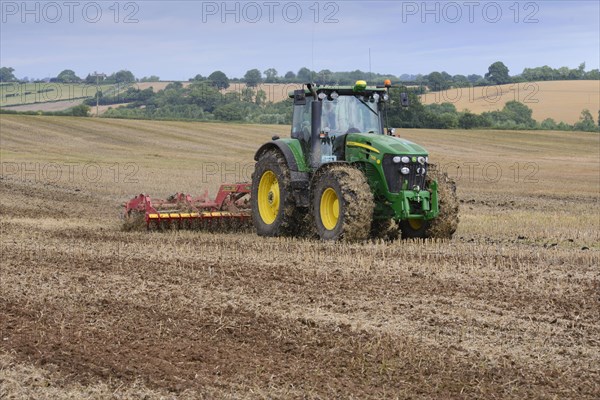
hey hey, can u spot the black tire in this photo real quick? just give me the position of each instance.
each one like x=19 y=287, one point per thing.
x=414 y=229
x=272 y=164
x=385 y=229
x=446 y=223
x=354 y=204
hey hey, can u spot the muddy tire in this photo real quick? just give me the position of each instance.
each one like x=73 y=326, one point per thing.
x=385 y=229
x=274 y=211
x=414 y=229
x=444 y=226
x=342 y=204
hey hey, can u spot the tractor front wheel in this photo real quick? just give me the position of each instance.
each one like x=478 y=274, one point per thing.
x=342 y=204
x=445 y=224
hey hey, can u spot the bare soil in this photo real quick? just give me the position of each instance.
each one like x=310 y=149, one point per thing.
x=509 y=308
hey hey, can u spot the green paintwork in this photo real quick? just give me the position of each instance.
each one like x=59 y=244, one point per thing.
x=401 y=205
x=296 y=148
x=388 y=144
x=366 y=151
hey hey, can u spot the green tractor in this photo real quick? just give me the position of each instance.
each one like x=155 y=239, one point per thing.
x=342 y=176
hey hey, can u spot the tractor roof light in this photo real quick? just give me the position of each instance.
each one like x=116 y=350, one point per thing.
x=387 y=83
x=360 y=86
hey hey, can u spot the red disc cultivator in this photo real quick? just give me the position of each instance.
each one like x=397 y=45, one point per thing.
x=230 y=208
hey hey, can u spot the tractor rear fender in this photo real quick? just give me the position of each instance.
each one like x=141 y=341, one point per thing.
x=299 y=175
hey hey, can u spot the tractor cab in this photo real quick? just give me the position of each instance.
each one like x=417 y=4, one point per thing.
x=324 y=116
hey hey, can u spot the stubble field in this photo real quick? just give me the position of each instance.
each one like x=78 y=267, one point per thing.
x=509 y=308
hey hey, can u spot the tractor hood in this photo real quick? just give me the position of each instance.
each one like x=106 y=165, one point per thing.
x=385 y=144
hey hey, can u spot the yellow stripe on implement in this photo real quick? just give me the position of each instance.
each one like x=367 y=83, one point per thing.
x=185 y=215
x=153 y=216
x=364 y=146
x=163 y=215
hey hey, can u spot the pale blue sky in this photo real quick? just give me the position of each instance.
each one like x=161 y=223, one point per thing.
x=179 y=39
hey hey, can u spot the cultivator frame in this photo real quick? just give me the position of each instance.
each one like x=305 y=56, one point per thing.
x=182 y=211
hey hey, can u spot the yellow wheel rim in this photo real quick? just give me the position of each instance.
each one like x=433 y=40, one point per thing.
x=416 y=224
x=330 y=209
x=268 y=197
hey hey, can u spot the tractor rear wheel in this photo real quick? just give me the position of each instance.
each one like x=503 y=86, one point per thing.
x=273 y=206
x=342 y=204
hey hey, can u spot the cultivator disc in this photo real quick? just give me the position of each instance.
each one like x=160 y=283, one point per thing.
x=230 y=210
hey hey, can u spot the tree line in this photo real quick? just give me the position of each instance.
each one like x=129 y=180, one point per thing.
x=497 y=74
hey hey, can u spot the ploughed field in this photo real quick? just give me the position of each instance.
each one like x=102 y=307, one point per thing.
x=508 y=309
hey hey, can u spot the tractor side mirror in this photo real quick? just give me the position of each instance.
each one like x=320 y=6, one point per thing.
x=299 y=97
x=391 y=131
x=404 y=99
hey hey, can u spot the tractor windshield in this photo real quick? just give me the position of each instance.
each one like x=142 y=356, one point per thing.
x=350 y=114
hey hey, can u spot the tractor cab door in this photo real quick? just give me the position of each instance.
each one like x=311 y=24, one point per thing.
x=301 y=121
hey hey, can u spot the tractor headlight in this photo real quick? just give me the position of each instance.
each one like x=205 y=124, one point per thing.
x=397 y=159
x=386 y=97
x=421 y=171
x=404 y=170
x=426 y=159
x=334 y=95
x=421 y=160
x=405 y=160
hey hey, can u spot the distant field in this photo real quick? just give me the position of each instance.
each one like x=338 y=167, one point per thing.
x=275 y=91
x=14 y=94
x=559 y=100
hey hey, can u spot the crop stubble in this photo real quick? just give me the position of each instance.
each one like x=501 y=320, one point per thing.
x=507 y=309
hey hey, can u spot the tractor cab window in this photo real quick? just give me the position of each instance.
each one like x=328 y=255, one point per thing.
x=301 y=122
x=350 y=114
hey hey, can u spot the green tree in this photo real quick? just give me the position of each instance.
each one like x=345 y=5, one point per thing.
x=68 y=76
x=123 y=76
x=6 y=74
x=519 y=113
x=437 y=81
x=253 y=77
x=151 y=78
x=204 y=95
x=586 y=122
x=231 y=112
x=219 y=79
x=325 y=77
x=467 y=120
x=290 y=76
x=548 y=124
x=82 y=110
x=261 y=98
x=498 y=73
x=271 y=75
x=247 y=95
x=405 y=117
x=304 y=75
